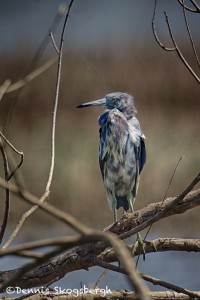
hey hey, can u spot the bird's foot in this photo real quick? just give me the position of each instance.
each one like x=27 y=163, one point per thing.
x=139 y=246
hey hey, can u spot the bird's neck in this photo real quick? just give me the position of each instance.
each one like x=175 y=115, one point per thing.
x=128 y=113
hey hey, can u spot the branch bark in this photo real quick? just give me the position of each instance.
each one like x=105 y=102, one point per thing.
x=122 y=294
x=81 y=257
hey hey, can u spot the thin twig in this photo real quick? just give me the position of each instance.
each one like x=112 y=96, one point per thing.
x=187 y=7
x=190 y=35
x=179 y=51
x=17 y=152
x=53 y=41
x=175 y=48
x=173 y=287
x=155 y=32
x=7 y=199
x=197 y=10
x=48 y=208
x=56 y=99
x=165 y=196
x=11 y=145
x=19 y=84
x=4 y=87
x=99 y=280
x=148 y=278
x=61 y=11
x=7 y=178
x=52 y=163
x=195 y=5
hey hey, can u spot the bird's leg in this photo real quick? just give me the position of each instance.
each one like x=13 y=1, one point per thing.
x=139 y=241
x=114 y=205
x=131 y=201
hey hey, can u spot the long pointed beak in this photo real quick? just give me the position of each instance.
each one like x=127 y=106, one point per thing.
x=100 y=102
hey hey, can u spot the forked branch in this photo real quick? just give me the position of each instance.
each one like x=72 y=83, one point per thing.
x=175 y=45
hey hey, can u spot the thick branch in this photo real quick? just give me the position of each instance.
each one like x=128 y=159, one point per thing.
x=81 y=257
x=122 y=294
x=130 y=224
x=158 y=245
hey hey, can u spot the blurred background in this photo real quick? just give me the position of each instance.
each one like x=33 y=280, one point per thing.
x=109 y=46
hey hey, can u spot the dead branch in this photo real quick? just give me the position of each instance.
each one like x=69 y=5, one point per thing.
x=52 y=163
x=4 y=87
x=129 y=222
x=7 y=176
x=122 y=252
x=20 y=153
x=163 y=210
x=54 y=42
x=80 y=257
x=196 y=10
x=21 y=83
x=158 y=245
x=7 y=196
x=99 y=295
x=175 y=45
x=48 y=208
x=148 y=278
x=190 y=35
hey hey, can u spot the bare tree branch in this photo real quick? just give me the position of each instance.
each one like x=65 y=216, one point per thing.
x=97 y=295
x=163 y=212
x=4 y=87
x=148 y=278
x=50 y=209
x=122 y=252
x=53 y=42
x=21 y=83
x=80 y=257
x=51 y=170
x=7 y=199
x=7 y=178
x=196 y=10
x=16 y=151
x=155 y=32
x=190 y=35
x=61 y=12
x=178 y=51
x=176 y=47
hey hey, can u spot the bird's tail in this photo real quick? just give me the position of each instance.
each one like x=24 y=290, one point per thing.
x=122 y=201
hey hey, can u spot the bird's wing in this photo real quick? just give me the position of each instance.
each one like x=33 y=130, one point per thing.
x=102 y=149
x=140 y=155
x=102 y=143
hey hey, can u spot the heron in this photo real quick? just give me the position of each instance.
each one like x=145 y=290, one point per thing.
x=122 y=152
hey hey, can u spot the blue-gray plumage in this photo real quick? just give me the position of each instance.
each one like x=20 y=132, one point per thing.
x=122 y=153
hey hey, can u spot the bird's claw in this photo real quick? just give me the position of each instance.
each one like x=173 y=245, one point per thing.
x=139 y=246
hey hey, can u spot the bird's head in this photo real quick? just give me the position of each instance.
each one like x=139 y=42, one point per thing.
x=122 y=101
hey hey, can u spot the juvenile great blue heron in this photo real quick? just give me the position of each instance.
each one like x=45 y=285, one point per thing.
x=122 y=153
